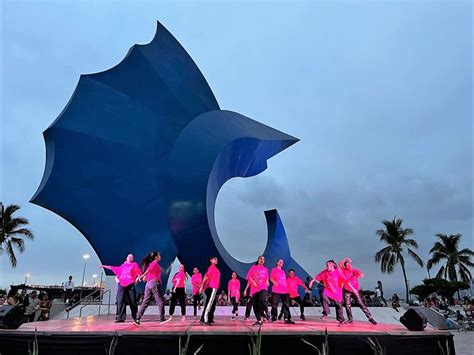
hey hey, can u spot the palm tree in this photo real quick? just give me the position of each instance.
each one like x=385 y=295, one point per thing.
x=447 y=249
x=397 y=239
x=12 y=231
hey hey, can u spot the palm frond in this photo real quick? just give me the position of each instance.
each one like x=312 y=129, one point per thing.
x=415 y=257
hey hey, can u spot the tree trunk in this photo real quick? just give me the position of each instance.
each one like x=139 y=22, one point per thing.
x=407 y=300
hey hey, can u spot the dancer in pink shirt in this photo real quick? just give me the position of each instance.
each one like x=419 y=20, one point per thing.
x=333 y=281
x=351 y=290
x=280 y=292
x=258 y=278
x=294 y=282
x=127 y=276
x=196 y=281
x=233 y=290
x=177 y=292
x=211 y=283
x=153 y=288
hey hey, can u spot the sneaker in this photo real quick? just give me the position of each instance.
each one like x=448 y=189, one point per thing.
x=170 y=317
x=246 y=318
x=273 y=320
x=163 y=320
x=280 y=316
x=136 y=322
x=259 y=323
x=233 y=317
x=289 y=321
x=236 y=315
x=211 y=321
x=183 y=319
x=204 y=323
x=303 y=317
x=349 y=321
x=119 y=321
x=372 y=320
x=323 y=317
x=341 y=323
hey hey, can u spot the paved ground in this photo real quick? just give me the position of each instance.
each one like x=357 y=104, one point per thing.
x=464 y=343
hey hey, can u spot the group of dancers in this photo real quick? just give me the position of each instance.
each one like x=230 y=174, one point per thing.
x=341 y=286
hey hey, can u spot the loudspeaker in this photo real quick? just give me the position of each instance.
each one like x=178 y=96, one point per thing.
x=11 y=317
x=413 y=320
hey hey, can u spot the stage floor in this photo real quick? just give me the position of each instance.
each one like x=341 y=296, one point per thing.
x=99 y=332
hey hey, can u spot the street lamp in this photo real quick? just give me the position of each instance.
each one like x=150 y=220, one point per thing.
x=26 y=277
x=85 y=257
x=94 y=277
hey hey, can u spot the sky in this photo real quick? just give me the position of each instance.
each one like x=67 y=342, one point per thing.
x=378 y=92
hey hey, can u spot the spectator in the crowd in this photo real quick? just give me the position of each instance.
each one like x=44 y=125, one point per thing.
x=379 y=293
x=222 y=299
x=45 y=307
x=68 y=288
x=12 y=298
x=23 y=299
x=33 y=306
x=468 y=310
x=395 y=302
x=450 y=323
x=167 y=297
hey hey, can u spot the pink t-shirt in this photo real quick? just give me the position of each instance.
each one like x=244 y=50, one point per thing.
x=178 y=279
x=234 y=289
x=214 y=277
x=259 y=274
x=196 y=281
x=352 y=278
x=333 y=282
x=279 y=275
x=154 y=271
x=293 y=283
x=126 y=273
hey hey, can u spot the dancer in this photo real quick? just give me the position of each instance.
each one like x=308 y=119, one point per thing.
x=196 y=281
x=127 y=276
x=280 y=292
x=233 y=290
x=379 y=293
x=333 y=281
x=211 y=282
x=294 y=282
x=177 y=292
x=258 y=278
x=351 y=290
x=249 y=304
x=153 y=287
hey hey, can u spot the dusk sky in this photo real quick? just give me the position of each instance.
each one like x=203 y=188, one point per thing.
x=378 y=92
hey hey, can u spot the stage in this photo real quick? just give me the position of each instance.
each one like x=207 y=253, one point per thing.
x=100 y=335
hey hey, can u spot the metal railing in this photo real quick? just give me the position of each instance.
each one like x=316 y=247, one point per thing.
x=88 y=300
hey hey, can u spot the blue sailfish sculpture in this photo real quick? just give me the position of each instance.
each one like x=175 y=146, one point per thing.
x=137 y=157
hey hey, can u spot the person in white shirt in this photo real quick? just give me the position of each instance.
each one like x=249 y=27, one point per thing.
x=68 y=289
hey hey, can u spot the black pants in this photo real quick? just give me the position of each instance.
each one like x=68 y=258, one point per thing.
x=285 y=308
x=260 y=306
x=210 y=306
x=248 y=306
x=180 y=296
x=196 y=300
x=298 y=300
x=67 y=295
x=326 y=309
x=152 y=289
x=122 y=293
x=347 y=295
x=234 y=303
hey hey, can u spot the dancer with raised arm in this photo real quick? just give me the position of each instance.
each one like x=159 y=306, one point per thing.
x=196 y=281
x=210 y=283
x=294 y=282
x=351 y=290
x=280 y=292
x=258 y=278
x=127 y=276
x=177 y=292
x=233 y=290
x=333 y=281
x=153 y=287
